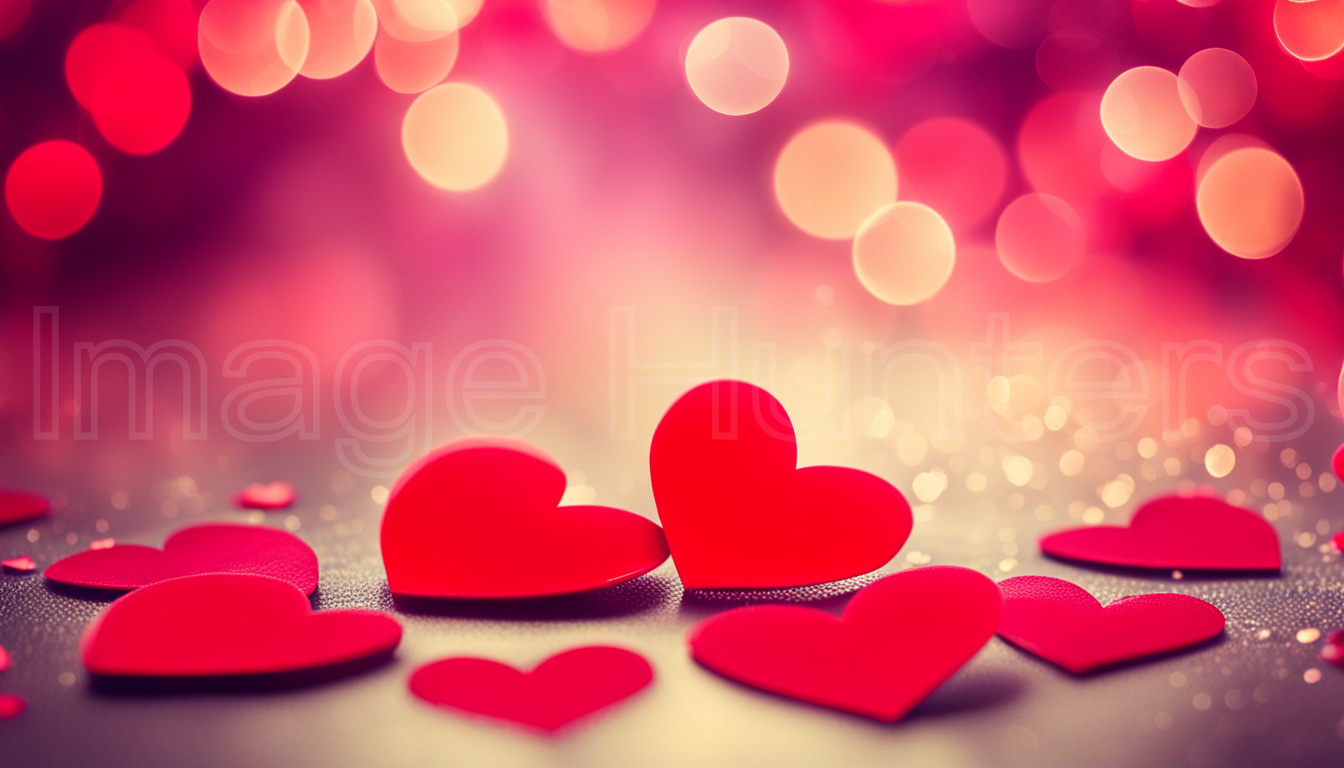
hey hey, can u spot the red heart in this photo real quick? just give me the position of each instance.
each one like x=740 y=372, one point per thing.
x=1062 y=623
x=1169 y=532
x=479 y=519
x=899 y=638
x=228 y=624
x=24 y=563
x=215 y=548
x=276 y=495
x=560 y=690
x=740 y=514
x=17 y=506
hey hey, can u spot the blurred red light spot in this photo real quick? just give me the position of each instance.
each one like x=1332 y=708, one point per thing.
x=412 y=67
x=141 y=104
x=1039 y=238
x=1310 y=31
x=11 y=706
x=12 y=15
x=171 y=24
x=53 y=188
x=95 y=50
x=955 y=167
x=1059 y=146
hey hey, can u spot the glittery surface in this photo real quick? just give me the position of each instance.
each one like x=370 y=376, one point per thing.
x=1246 y=700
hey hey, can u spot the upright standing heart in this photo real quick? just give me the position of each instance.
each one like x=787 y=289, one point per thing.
x=1176 y=532
x=479 y=519
x=738 y=511
x=216 y=548
x=1062 y=623
x=560 y=690
x=899 y=639
x=228 y=624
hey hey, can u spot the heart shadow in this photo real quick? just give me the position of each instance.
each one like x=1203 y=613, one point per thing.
x=266 y=683
x=640 y=595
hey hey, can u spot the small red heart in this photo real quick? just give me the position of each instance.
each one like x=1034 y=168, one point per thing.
x=276 y=495
x=216 y=548
x=479 y=519
x=899 y=639
x=560 y=690
x=24 y=563
x=740 y=514
x=1062 y=623
x=17 y=506
x=228 y=624
x=1176 y=532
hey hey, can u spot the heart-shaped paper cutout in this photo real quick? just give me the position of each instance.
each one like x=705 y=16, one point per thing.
x=276 y=495
x=214 y=548
x=24 y=563
x=560 y=690
x=899 y=639
x=480 y=519
x=17 y=506
x=228 y=624
x=1176 y=532
x=1062 y=623
x=739 y=513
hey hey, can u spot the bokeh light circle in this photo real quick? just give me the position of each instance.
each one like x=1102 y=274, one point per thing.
x=340 y=32
x=1250 y=202
x=1011 y=23
x=253 y=47
x=1217 y=87
x=737 y=65
x=954 y=166
x=12 y=15
x=141 y=104
x=1310 y=31
x=598 y=26
x=53 y=189
x=1039 y=237
x=1143 y=114
x=1060 y=143
x=419 y=21
x=414 y=67
x=95 y=50
x=455 y=137
x=171 y=24
x=904 y=253
x=831 y=176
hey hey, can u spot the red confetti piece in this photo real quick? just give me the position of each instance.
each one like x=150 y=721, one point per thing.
x=199 y=549
x=480 y=519
x=899 y=639
x=738 y=512
x=11 y=706
x=560 y=690
x=24 y=563
x=1062 y=623
x=1185 y=532
x=228 y=624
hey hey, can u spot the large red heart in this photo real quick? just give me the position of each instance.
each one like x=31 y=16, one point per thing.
x=17 y=506
x=740 y=514
x=560 y=690
x=899 y=639
x=479 y=519
x=216 y=548
x=228 y=624
x=1062 y=623
x=1174 y=532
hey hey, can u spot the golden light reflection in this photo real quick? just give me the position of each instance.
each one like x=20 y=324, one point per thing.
x=831 y=176
x=1039 y=238
x=408 y=67
x=904 y=253
x=1217 y=87
x=1219 y=460
x=341 y=32
x=1071 y=463
x=1143 y=114
x=737 y=65
x=598 y=26
x=1310 y=31
x=1017 y=469
x=455 y=137
x=955 y=167
x=1250 y=202
x=253 y=47
x=419 y=21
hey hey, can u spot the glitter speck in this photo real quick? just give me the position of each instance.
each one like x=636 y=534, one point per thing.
x=1263 y=634
x=1203 y=701
x=1219 y=460
x=1308 y=635
x=292 y=523
x=1177 y=575
x=66 y=678
x=1007 y=564
x=1312 y=675
x=33 y=535
x=1093 y=516
x=379 y=494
